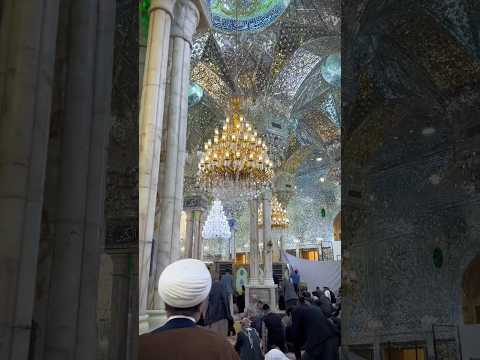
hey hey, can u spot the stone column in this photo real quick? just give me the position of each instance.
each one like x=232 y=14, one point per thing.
x=28 y=30
x=276 y=243
x=195 y=206
x=71 y=327
x=132 y=337
x=267 y=238
x=254 y=249
x=199 y=220
x=171 y=194
x=151 y=124
x=189 y=248
x=282 y=243
x=120 y=302
x=233 y=250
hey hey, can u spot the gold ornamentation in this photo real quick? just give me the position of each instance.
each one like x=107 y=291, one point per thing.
x=279 y=215
x=236 y=162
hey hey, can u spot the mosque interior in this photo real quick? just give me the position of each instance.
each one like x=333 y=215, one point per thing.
x=288 y=71
x=254 y=135
x=283 y=58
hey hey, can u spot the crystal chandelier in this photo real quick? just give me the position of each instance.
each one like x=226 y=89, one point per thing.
x=279 y=215
x=236 y=162
x=216 y=226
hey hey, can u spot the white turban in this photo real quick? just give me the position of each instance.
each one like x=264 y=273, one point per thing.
x=185 y=283
x=275 y=354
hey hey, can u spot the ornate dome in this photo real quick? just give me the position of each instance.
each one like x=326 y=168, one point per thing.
x=253 y=15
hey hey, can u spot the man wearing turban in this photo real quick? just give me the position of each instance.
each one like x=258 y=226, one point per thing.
x=184 y=287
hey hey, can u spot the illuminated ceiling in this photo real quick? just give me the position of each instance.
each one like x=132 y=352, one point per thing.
x=289 y=72
x=245 y=15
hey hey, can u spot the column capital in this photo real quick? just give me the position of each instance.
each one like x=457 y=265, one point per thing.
x=165 y=5
x=185 y=21
x=195 y=202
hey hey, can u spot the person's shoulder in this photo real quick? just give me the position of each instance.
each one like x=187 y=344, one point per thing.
x=206 y=335
x=215 y=340
x=212 y=336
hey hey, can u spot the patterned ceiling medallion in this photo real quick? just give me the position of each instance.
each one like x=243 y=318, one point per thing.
x=253 y=15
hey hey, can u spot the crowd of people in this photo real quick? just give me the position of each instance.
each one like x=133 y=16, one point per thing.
x=200 y=320
x=309 y=328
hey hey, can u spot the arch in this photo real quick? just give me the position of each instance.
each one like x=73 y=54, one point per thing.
x=471 y=292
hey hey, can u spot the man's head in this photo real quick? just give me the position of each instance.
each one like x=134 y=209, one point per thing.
x=266 y=308
x=259 y=304
x=245 y=323
x=296 y=271
x=184 y=287
x=317 y=288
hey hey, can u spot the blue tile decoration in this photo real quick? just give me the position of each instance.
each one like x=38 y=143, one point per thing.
x=253 y=15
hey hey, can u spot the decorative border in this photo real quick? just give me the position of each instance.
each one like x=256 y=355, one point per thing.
x=271 y=12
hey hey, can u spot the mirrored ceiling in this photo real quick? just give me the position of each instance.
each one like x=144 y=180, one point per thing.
x=285 y=60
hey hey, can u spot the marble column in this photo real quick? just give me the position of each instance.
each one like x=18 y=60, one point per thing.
x=189 y=249
x=28 y=30
x=151 y=124
x=282 y=243
x=194 y=206
x=199 y=221
x=254 y=249
x=267 y=238
x=71 y=331
x=120 y=304
x=171 y=194
x=233 y=250
x=277 y=236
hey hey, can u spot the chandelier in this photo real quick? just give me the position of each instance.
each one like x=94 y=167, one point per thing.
x=216 y=226
x=279 y=215
x=236 y=162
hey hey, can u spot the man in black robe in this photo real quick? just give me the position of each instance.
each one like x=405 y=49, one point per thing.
x=218 y=311
x=275 y=331
x=324 y=303
x=312 y=331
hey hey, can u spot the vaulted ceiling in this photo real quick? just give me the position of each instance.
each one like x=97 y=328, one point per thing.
x=287 y=67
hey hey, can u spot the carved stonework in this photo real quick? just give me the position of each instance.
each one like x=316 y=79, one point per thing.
x=195 y=202
x=409 y=126
x=121 y=204
x=259 y=294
